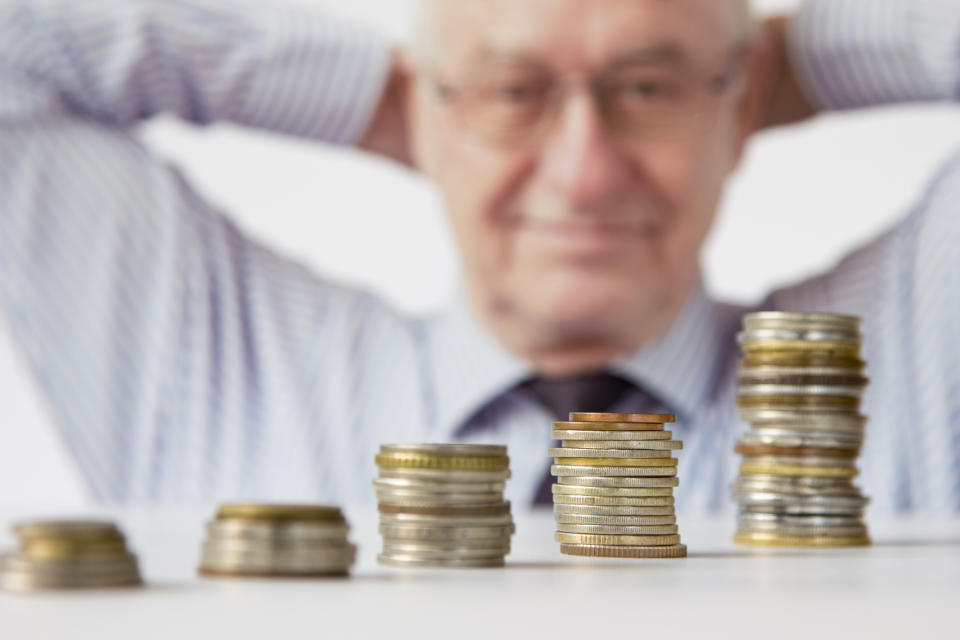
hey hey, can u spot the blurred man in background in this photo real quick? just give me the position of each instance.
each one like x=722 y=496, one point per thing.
x=581 y=148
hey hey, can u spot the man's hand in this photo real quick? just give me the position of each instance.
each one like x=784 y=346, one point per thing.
x=785 y=102
x=387 y=134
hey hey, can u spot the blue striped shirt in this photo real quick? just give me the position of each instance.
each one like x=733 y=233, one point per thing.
x=184 y=362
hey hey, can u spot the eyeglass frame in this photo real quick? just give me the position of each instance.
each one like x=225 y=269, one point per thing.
x=453 y=95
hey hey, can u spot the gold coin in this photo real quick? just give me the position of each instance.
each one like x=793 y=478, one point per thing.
x=278 y=512
x=617 y=462
x=758 y=539
x=398 y=459
x=609 y=540
x=774 y=450
x=800 y=359
x=74 y=529
x=600 y=551
x=748 y=468
x=48 y=548
x=652 y=418
x=802 y=401
x=607 y=426
x=821 y=347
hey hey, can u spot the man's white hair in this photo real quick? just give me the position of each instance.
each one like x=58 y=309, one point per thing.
x=741 y=22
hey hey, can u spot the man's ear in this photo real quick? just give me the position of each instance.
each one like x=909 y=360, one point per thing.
x=758 y=79
x=415 y=108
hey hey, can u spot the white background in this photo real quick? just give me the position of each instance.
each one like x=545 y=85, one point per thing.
x=803 y=198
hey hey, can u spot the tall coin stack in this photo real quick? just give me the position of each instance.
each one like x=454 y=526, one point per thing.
x=614 y=493
x=69 y=555
x=800 y=385
x=277 y=540
x=441 y=505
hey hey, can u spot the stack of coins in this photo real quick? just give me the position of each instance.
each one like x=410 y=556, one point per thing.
x=69 y=555
x=441 y=505
x=800 y=385
x=614 y=493
x=277 y=540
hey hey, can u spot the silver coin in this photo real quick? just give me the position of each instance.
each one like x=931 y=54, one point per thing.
x=804 y=532
x=277 y=532
x=215 y=559
x=840 y=491
x=630 y=521
x=408 y=532
x=802 y=461
x=801 y=510
x=789 y=319
x=457 y=563
x=449 y=553
x=754 y=336
x=84 y=566
x=618 y=483
x=799 y=390
x=22 y=573
x=613 y=510
x=633 y=472
x=439 y=500
x=799 y=521
x=446 y=449
x=276 y=546
x=623 y=445
x=794 y=440
x=18 y=581
x=564 y=452
x=612 y=501
x=615 y=436
x=445 y=521
x=501 y=545
x=442 y=475
x=428 y=487
x=615 y=530
x=805 y=419
x=792 y=505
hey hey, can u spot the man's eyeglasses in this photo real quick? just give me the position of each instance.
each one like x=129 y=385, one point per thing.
x=638 y=101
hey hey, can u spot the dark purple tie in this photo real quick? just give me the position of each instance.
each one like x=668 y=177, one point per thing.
x=561 y=396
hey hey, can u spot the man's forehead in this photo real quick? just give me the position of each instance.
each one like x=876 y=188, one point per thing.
x=575 y=31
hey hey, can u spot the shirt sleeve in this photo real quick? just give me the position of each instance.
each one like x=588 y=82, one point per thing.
x=857 y=53
x=121 y=61
x=165 y=341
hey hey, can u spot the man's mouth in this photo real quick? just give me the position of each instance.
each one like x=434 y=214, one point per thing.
x=590 y=235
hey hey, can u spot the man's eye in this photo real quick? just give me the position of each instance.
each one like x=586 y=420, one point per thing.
x=518 y=94
x=646 y=90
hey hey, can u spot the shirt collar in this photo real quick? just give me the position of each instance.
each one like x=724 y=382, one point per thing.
x=683 y=366
x=471 y=369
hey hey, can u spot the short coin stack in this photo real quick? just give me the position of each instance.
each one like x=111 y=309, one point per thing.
x=614 y=493
x=441 y=505
x=800 y=384
x=69 y=555
x=277 y=540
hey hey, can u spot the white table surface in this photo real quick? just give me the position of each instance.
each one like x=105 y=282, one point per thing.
x=907 y=585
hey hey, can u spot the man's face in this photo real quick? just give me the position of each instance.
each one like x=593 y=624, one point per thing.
x=581 y=147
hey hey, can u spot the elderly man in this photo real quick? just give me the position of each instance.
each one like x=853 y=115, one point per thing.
x=581 y=148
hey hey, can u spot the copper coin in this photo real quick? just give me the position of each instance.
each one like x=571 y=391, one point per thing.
x=651 y=418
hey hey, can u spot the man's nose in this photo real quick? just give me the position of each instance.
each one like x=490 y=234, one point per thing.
x=581 y=160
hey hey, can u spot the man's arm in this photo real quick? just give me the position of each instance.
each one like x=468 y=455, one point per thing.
x=121 y=61
x=844 y=54
x=163 y=338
